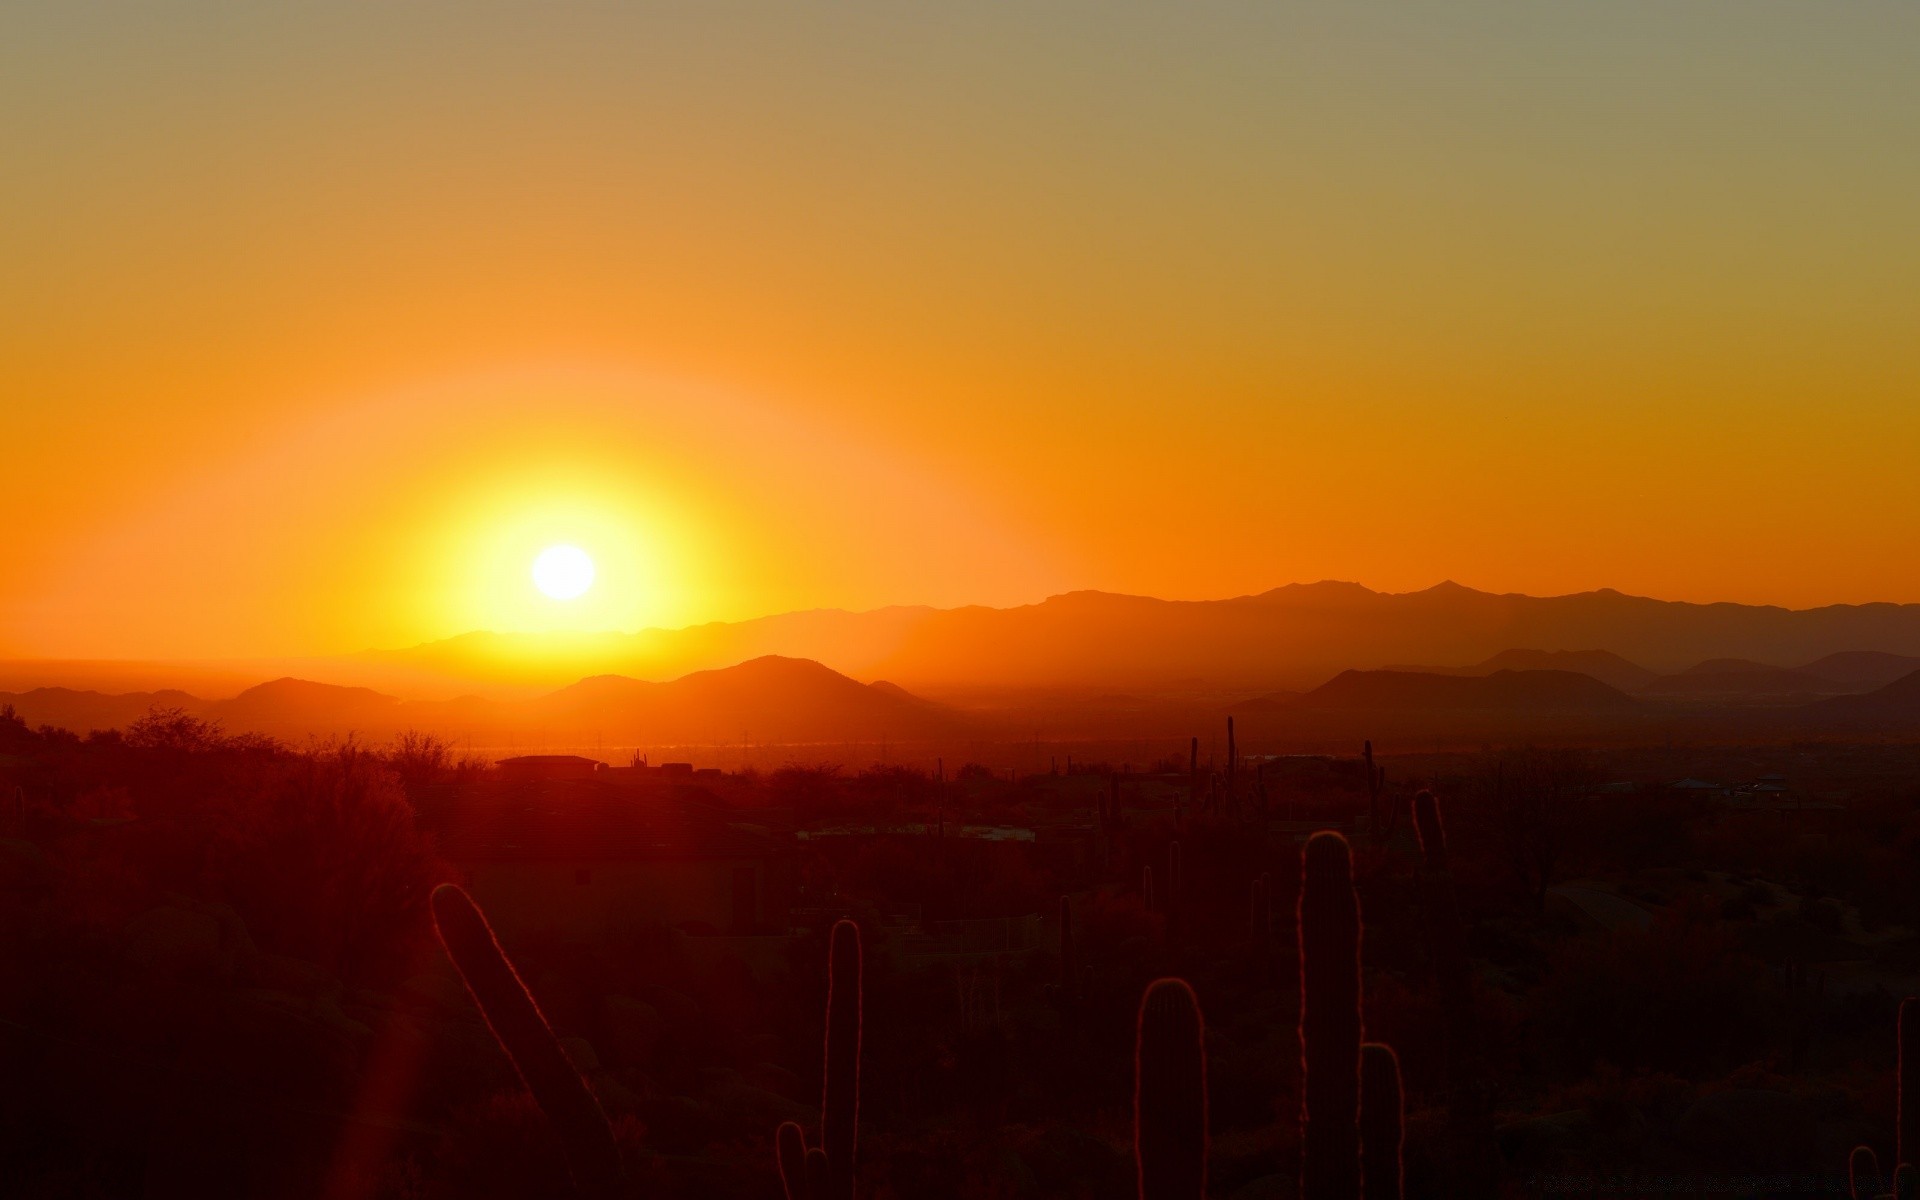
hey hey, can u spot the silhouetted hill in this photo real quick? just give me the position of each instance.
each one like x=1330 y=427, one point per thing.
x=1734 y=680
x=288 y=707
x=1604 y=665
x=1899 y=700
x=1290 y=637
x=769 y=699
x=1863 y=669
x=1517 y=692
x=81 y=711
x=1609 y=668
x=885 y=688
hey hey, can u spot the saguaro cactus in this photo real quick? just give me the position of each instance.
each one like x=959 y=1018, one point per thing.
x=1433 y=837
x=1907 y=1114
x=1329 y=916
x=1805 y=992
x=826 y=1171
x=1066 y=942
x=1469 y=1110
x=1071 y=980
x=1170 y=1094
x=1233 y=757
x=1376 y=782
x=517 y=1023
x=1864 y=1181
x=1445 y=935
x=1381 y=1109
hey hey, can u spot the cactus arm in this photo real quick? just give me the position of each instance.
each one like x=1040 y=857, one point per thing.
x=840 y=1096
x=790 y=1151
x=1863 y=1174
x=1329 y=915
x=516 y=1022
x=818 y=1174
x=1381 y=1120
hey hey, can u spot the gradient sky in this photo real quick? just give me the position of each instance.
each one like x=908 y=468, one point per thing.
x=318 y=320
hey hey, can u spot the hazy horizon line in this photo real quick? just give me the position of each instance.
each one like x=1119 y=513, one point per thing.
x=238 y=660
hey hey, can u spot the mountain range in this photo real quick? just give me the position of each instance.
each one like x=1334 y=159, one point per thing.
x=1293 y=637
x=770 y=699
x=1300 y=658
x=773 y=701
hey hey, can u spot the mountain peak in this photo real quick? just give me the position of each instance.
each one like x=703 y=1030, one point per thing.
x=287 y=688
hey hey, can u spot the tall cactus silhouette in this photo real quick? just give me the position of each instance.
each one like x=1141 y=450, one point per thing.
x=1468 y=1089
x=1445 y=934
x=1863 y=1168
x=1907 y=1112
x=1376 y=782
x=1170 y=1094
x=1233 y=758
x=1381 y=1112
x=1174 y=903
x=1433 y=837
x=1067 y=967
x=1373 y=795
x=1071 y=988
x=1329 y=916
x=826 y=1171
x=516 y=1022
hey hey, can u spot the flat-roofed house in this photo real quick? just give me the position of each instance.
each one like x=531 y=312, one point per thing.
x=529 y=767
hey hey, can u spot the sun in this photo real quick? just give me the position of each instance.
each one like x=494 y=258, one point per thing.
x=563 y=572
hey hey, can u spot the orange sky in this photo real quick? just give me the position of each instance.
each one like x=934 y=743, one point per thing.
x=317 y=321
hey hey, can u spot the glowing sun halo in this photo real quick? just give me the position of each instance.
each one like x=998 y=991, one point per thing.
x=563 y=572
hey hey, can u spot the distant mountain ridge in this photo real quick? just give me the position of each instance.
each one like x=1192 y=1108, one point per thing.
x=1288 y=638
x=1095 y=662
x=1607 y=667
x=1295 y=637
x=1864 y=668
x=1897 y=702
x=81 y=710
x=769 y=699
x=1515 y=692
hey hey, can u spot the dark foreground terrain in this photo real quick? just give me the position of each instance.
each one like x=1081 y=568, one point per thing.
x=1638 y=971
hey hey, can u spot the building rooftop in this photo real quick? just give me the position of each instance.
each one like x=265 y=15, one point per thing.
x=550 y=760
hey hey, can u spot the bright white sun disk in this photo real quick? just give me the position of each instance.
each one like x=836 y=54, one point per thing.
x=563 y=572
